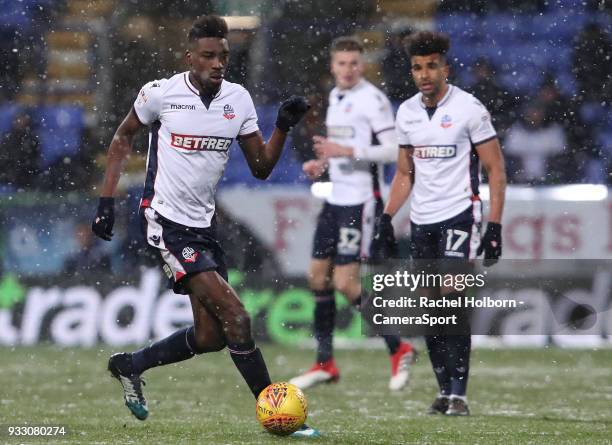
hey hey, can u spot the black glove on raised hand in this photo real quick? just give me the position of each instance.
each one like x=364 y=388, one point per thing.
x=290 y=112
x=383 y=245
x=104 y=220
x=491 y=244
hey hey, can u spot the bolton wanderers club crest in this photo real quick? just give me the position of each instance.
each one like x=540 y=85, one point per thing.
x=446 y=121
x=190 y=255
x=228 y=112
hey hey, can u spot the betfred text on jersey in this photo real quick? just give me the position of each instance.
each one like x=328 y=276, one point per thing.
x=200 y=143
x=435 y=151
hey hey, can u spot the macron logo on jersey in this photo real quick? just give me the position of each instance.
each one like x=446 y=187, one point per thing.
x=182 y=107
x=200 y=143
x=435 y=151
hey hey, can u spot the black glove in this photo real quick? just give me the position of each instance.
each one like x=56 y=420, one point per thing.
x=383 y=245
x=290 y=112
x=102 y=224
x=491 y=244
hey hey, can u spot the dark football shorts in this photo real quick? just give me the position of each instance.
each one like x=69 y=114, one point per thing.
x=448 y=247
x=344 y=233
x=456 y=237
x=184 y=250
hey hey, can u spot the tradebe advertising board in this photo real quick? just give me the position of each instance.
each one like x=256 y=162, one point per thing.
x=556 y=261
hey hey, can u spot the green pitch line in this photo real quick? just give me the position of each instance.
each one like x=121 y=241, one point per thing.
x=516 y=397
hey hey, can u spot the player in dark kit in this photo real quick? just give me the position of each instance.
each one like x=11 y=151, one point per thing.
x=193 y=117
x=444 y=135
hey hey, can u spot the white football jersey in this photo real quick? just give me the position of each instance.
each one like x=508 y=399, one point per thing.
x=354 y=118
x=189 y=145
x=447 y=168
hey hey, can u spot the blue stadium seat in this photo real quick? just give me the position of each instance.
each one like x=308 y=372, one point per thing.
x=460 y=26
x=60 y=129
x=608 y=116
x=7 y=115
x=466 y=53
x=517 y=66
x=503 y=28
x=554 y=27
x=237 y=170
x=520 y=56
x=566 y=5
x=463 y=78
x=538 y=54
x=604 y=140
x=497 y=54
x=567 y=83
x=7 y=190
x=594 y=172
x=604 y=20
x=14 y=15
x=530 y=62
x=524 y=80
x=561 y=61
x=288 y=169
x=595 y=114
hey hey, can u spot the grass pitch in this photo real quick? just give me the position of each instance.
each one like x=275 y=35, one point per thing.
x=549 y=396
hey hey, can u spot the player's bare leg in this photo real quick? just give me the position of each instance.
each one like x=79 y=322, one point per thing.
x=208 y=333
x=320 y=273
x=324 y=370
x=347 y=280
x=220 y=299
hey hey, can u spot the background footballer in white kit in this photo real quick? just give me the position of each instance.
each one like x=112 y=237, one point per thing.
x=444 y=135
x=360 y=138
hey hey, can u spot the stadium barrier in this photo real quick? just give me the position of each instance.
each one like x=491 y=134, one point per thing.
x=562 y=237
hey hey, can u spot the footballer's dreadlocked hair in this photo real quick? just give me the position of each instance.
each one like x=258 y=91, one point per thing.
x=424 y=43
x=208 y=26
x=346 y=43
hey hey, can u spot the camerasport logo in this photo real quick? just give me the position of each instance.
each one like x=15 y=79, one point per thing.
x=200 y=143
x=228 y=112
x=190 y=255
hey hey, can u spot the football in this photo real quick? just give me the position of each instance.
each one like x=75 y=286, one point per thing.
x=281 y=408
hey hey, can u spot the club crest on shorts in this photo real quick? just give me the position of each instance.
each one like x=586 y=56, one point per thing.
x=190 y=255
x=228 y=112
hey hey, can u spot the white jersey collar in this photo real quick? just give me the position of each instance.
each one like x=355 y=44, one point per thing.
x=353 y=89
x=193 y=88
x=442 y=101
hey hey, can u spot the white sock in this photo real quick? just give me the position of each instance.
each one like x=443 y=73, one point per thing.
x=443 y=396
x=455 y=396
